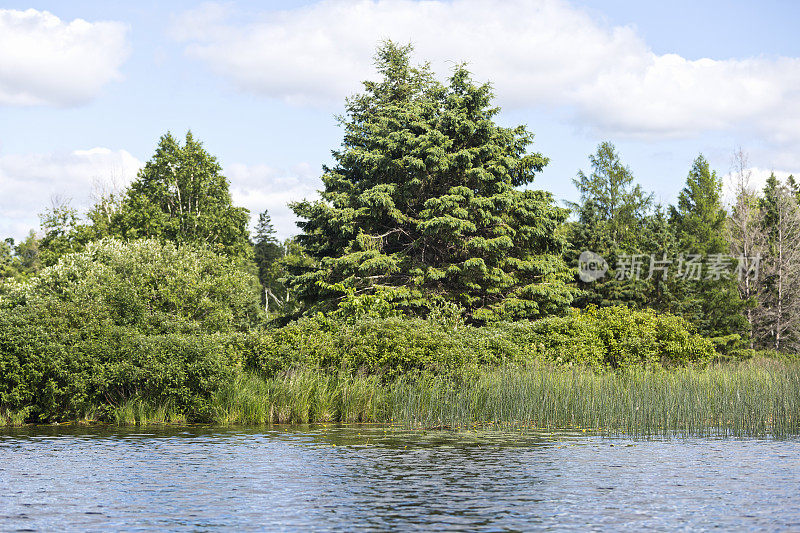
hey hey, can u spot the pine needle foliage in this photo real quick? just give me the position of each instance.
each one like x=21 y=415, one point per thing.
x=423 y=204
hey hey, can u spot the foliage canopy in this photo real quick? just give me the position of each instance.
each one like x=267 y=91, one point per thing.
x=181 y=196
x=423 y=204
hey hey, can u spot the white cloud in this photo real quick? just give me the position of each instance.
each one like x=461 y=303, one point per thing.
x=29 y=181
x=757 y=182
x=47 y=61
x=259 y=187
x=536 y=53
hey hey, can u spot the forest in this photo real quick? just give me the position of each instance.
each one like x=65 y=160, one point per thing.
x=430 y=283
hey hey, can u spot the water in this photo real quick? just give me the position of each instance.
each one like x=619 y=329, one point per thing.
x=346 y=478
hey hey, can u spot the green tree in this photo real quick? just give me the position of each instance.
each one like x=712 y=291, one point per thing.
x=613 y=220
x=610 y=196
x=423 y=204
x=778 y=324
x=712 y=303
x=64 y=232
x=26 y=259
x=180 y=195
x=267 y=251
x=7 y=269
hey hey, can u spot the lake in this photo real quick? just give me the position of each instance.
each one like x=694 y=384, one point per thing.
x=378 y=478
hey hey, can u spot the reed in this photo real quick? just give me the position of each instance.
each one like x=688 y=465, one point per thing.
x=755 y=398
x=14 y=418
x=139 y=412
x=299 y=397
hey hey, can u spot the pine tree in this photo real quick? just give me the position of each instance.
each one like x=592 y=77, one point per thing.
x=613 y=222
x=268 y=250
x=618 y=203
x=713 y=304
x=423 y=204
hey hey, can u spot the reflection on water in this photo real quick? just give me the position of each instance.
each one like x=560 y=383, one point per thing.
x=344 y=478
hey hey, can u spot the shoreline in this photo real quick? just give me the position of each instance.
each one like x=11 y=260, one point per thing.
x=755 y=398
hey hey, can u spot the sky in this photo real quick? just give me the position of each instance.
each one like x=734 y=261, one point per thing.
x=87 y=88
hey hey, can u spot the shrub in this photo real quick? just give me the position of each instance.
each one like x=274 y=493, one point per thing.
x=609 y=338
x=387 y=346
x=120 y=321
x=614 y=338
x=145 y=285
x=61 y=374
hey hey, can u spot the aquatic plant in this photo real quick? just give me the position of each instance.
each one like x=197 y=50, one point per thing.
x=750 y=398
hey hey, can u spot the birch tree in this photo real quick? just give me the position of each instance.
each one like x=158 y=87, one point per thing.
x=745 y=235
x=780 y=292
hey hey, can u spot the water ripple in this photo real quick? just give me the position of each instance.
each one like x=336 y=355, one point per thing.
x=346 y=478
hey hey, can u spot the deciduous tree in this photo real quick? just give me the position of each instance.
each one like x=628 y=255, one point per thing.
x=181 y=195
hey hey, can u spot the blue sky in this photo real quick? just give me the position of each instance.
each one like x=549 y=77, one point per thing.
x=86 y=88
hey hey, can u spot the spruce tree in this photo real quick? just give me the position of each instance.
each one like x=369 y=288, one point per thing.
x=712 y=303
x=423 y=204
x=267 y=251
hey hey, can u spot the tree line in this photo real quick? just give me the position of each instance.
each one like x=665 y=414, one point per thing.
x=427 y=209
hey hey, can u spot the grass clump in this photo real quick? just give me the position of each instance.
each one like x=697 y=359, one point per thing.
x=14 y=418
x=301 y=396
x=138 y=412
x=754 y=398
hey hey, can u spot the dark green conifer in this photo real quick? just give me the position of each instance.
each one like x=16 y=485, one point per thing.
x=423 y=204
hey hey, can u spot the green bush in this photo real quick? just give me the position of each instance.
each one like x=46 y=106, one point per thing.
x=120 y=321
x=613 y=338
x=602 y=339
x=64 y=377
x=146 y=285
x=388 y=346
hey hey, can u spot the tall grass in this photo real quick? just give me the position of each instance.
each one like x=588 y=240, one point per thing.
x=300 y=397
x=756 y=398
x=14 y=418
x=750 y=399
x=760 y=397
x=136 y=412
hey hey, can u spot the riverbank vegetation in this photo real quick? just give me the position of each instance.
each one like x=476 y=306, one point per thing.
x=430 y=285
x=759 y=397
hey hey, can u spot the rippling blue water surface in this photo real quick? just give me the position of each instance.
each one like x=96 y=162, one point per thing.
x=345 y=478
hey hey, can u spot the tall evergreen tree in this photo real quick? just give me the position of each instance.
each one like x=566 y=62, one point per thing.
x=610 y=193
x=180 y=195
x=612 y=221
x=268 y=251
x=709 y=301
x=423 y=204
